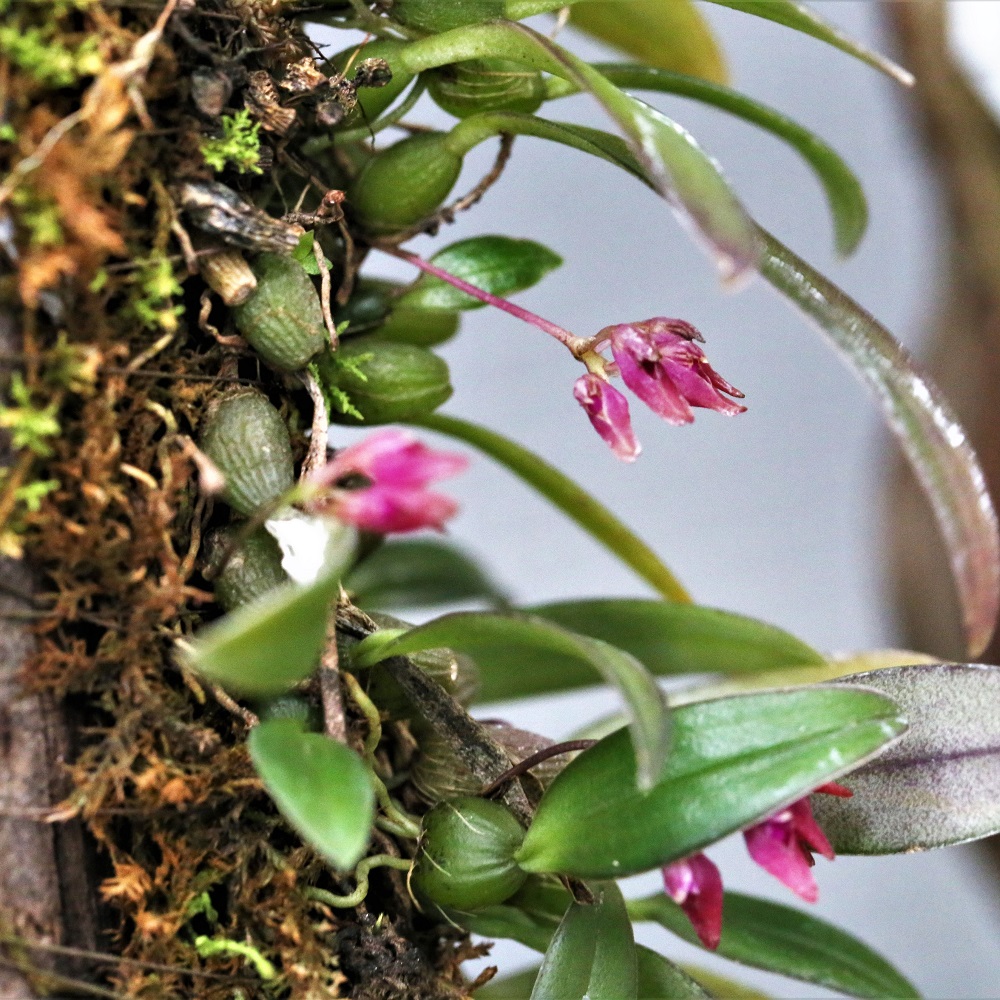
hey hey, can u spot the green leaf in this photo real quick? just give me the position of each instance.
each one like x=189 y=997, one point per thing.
x=682 y=638
x=779 y=939
x=932 y=438
x=660 y=979
x=674 y=163
x=872 y=659
x=669 y=35
x=592 y=955
x=939 y=785
x=669 y=639
x=801 y=18
x=505 y=921
x=722 y=986
x=515 y=987
x=265 y=647
x=496 y=264
x=320 y=786
x=570 y=498
x=481 y=634
x=418 y=574
x=844 y=193
x=733 y=762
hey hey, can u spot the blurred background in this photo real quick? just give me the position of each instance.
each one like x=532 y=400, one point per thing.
x=779 y=513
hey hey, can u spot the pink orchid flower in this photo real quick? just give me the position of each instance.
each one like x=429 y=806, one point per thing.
x=398 y=467
x=783 y=844
x=660 y=361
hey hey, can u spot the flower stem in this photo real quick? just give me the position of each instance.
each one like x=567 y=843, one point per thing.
x=577 y=345
x=570 y=498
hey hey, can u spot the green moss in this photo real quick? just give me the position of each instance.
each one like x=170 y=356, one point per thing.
x=239 y=145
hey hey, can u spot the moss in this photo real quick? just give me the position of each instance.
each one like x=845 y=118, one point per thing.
x=238 y=146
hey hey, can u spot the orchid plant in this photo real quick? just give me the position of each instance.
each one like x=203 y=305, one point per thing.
x=354 y=807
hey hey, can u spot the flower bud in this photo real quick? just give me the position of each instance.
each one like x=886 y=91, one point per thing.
x=390 y=382
x=246 y=437
x=466 y=855
x=468 y=88
x=405 y=183
x=282 y=320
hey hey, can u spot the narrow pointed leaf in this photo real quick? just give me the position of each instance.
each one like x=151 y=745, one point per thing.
x=801 y=18
x=921 y=418
x=321 y=787
x=660 y=979
x=265 y=647
x=669 y=639
x=733 y=762
x=675 y=165
x=780 y=939
x=592 y=955
x=417 y=574
x=671 y=36
x=939 y=785
x=682 y=638
x=496 y=264
x=872 y=659
x=844 y=193
x=722 y=986
x=483 y=635
x=515 y=987
x=506 y=921
x=568 y=497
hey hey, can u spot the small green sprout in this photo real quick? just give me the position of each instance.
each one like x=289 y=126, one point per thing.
x=29 y=426
x=157 y=285
x=238 y=146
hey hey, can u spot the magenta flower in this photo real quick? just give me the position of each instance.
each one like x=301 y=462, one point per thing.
x=661 y=363
x=391 y=458
x=695 y=885
x=394 y=509
x=607 y=409
x=783 y=844
x=398 y=468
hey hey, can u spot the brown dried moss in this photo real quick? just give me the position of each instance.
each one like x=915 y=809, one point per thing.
x=186 y=842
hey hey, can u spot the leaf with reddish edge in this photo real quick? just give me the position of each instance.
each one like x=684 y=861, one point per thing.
x=938 y=785
x=921 y=418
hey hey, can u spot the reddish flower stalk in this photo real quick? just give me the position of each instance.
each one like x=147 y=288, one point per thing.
x=657 y=358
x=576 y=344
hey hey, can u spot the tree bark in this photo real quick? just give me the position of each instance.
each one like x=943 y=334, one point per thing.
x=45 y=893
x=962 y=139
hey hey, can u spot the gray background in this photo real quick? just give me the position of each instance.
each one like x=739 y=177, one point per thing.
x=775 y=513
